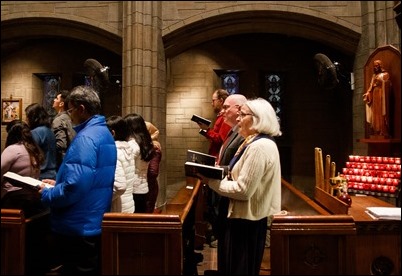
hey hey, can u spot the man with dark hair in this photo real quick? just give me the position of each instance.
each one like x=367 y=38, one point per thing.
x=62 y=126
x=217 y=134
x=83 y=188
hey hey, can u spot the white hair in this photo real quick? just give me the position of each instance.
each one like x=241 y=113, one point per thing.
x=264 y=119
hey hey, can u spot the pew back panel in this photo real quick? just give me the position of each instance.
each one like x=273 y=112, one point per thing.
x=130 y=246
x=152 y=244
x=312 y=245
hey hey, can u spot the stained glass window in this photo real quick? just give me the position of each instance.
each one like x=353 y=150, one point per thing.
x=273 y=85
x=51 y=87
x=230 y=82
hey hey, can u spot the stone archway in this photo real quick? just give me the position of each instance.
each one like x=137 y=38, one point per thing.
x=280 y=22
x=15 y=31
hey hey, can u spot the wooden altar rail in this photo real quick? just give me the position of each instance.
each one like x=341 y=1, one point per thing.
x=152 y=244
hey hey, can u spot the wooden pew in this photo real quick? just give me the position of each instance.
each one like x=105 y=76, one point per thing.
x=12 y=242
x=310 y=240
x=152 y=244
x=297 y=203
x=22 y=242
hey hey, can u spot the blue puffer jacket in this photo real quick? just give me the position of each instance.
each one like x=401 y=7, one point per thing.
x=84 y=183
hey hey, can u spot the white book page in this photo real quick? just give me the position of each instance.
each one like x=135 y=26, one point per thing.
x=25 y=179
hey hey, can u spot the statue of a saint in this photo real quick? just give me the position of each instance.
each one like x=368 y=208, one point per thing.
x=376 y=99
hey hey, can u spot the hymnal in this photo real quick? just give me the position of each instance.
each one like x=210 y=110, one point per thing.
x=199 y=119
x=203 y=132
x=191 y=169
x=24 y=181
x=387 y=213
x=200 y=157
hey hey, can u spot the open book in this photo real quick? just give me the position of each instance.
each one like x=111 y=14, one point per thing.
x=200 y=157
x=24 y=181
x=387 y=213
x=199 y=119
x=191 y=169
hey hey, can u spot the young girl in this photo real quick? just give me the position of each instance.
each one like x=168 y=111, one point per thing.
x=122 y=200
x=141 y=142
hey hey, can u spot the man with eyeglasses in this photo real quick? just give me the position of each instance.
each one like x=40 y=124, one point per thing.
x=219 y=131
x=215 y=135
x=82 y=192
x=229 y=147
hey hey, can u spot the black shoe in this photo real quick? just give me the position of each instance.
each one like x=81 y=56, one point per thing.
x=198 y=257
x=211 y=272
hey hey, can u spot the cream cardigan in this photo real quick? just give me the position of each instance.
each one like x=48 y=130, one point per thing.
x=255 y=191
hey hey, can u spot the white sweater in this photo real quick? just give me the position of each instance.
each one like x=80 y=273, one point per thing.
x=255 y=191
x=122 y=200
x=141 y=170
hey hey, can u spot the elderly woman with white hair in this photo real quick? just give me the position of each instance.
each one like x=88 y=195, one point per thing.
x=253 y=186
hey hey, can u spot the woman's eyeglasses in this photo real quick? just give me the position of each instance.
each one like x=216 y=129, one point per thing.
x=242 y=115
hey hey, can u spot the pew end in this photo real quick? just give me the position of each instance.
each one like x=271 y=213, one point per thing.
x=152 y=244
x=22 y=250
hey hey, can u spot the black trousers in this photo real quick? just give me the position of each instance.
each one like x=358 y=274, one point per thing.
x=221 y=226
x=79 y=255
x=140 y=202
x=243 y=246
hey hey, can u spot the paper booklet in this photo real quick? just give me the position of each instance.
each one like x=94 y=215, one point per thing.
x=200 y=157
x=24 y=181
x=191 y=169
x=199 y=119
x=388 y=213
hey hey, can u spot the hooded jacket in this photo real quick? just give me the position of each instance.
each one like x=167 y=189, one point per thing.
x=123 y=200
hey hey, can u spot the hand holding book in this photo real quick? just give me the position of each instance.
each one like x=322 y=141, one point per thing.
x=27 y=182
x=201 y=121
x=203 y=171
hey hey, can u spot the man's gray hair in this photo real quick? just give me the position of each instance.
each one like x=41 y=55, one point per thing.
x=86 y=96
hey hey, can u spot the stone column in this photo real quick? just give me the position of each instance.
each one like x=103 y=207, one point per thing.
x=144 y=74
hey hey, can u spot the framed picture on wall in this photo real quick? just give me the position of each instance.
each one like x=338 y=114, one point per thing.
x=11 y=109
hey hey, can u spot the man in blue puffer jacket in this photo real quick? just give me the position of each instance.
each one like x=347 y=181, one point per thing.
x=83 y=188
